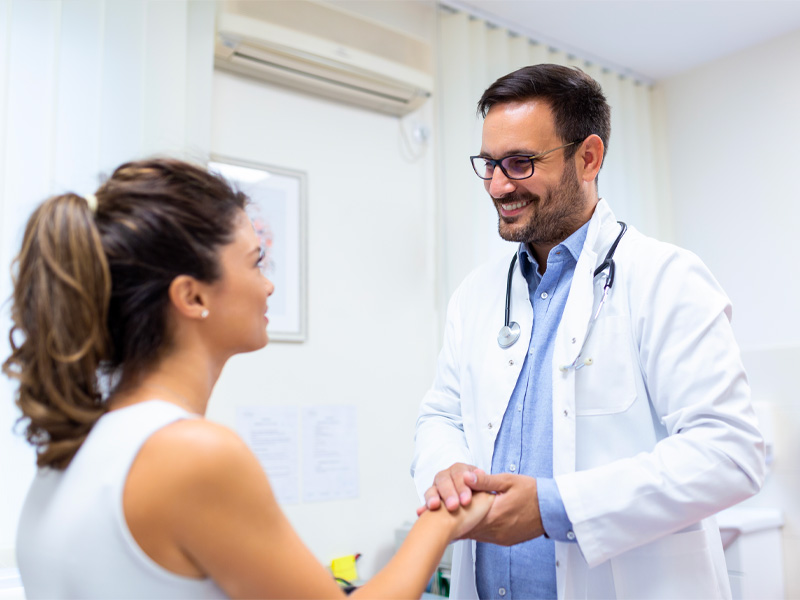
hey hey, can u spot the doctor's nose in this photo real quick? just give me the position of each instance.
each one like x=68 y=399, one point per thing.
x=499 y=185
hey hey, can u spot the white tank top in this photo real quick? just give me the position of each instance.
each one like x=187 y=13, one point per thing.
x=73 y=540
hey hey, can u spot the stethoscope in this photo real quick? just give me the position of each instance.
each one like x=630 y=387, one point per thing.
x=509 y=332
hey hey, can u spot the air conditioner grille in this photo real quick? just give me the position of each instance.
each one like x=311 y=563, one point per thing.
x=402 y=95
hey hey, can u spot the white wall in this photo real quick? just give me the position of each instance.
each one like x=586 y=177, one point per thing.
x=732 y=127
x=371 y=341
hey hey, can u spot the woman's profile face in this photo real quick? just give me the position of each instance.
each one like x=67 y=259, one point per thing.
x=237 y=320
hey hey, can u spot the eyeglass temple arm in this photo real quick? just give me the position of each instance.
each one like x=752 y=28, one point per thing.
x=534 y=156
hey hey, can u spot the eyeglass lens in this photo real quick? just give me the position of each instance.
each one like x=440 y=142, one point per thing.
x=513 y=167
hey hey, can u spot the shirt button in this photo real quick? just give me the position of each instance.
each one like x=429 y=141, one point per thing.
x=558 y=564
x=511 y=362
x=544 y=295
x=570 y=535
x=566 y=414
x=490 y=425
x=574 y=340
x=512 y=468
x=519 y=407
x=502 y=591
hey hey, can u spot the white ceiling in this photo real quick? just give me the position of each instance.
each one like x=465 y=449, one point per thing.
x=650 y=39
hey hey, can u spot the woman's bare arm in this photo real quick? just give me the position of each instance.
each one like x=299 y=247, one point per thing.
x=199 y=504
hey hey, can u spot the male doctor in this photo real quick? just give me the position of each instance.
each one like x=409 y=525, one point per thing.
x=614 y=429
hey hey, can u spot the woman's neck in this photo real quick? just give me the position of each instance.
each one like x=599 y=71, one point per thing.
x=180 y=379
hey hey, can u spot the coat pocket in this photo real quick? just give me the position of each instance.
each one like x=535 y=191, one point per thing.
x=606 y=385
x=676 y=566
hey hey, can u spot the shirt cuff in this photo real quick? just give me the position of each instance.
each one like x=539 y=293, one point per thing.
x=557 y=525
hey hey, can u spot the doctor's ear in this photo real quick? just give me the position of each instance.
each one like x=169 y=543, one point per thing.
x=187 y=296
x=589 y=157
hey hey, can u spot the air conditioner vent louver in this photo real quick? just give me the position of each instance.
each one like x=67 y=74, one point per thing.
x=326 y=80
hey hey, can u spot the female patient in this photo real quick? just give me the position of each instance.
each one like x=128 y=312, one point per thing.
x=156 y=279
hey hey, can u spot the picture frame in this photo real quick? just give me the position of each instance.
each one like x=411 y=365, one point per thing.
x=278 y=207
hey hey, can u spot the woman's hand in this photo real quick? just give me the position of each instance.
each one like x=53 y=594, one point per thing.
x=472 y=514
x=463 y=519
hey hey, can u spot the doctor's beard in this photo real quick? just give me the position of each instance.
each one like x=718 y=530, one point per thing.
x=552 y=218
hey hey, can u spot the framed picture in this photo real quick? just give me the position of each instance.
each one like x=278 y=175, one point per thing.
x=278 y=212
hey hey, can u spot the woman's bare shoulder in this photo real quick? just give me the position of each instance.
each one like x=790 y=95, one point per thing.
x=199 y=435
x=194 y=456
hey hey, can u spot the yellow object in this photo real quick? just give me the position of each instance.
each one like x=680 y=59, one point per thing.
x=345 y=567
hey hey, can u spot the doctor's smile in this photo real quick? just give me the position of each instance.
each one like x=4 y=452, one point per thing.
x=512 y=208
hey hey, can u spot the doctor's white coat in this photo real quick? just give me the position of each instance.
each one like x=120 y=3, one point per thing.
x=649 y=441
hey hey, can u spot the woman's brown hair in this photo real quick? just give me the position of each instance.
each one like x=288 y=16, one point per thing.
x=91 y=290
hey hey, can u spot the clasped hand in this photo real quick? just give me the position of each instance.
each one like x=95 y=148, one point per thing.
x=513 y=516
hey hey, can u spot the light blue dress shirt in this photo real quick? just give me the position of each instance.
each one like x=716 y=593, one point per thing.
x=524 y=443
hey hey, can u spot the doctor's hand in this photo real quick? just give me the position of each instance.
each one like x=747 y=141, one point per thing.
x=514 y=515
x=448 y=486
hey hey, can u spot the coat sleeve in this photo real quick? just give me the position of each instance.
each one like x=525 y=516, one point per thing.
x=713 y=454
x=439 y=440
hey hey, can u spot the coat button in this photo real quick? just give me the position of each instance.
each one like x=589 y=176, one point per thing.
x=501 y=591
x=570 y=535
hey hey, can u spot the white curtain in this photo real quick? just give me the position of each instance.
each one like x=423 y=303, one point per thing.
x=84 y=86
x=471 y=56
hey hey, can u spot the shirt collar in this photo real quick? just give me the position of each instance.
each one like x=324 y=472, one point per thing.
x=573 y=245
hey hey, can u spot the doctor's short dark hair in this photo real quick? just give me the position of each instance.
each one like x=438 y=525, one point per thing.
x=579 y=106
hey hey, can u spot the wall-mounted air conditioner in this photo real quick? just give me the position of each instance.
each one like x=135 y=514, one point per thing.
x=322 y=50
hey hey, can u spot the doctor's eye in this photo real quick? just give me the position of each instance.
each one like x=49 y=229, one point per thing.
x=517 y=166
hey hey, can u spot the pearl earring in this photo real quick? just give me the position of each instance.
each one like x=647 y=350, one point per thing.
x=204 y=314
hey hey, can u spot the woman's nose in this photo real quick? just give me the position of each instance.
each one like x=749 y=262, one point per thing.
x=269 y=285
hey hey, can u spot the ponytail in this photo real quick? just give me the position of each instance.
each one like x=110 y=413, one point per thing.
x=59 y=335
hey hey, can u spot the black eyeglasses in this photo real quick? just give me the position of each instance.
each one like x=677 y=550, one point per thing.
x=517 y=166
